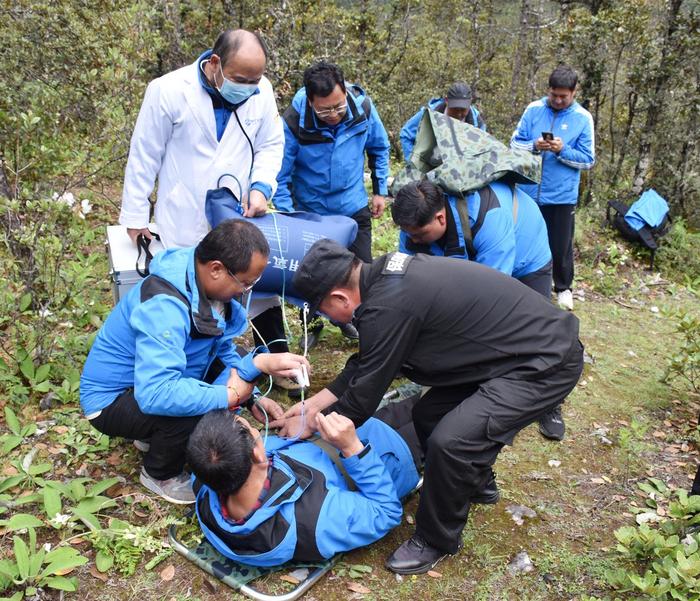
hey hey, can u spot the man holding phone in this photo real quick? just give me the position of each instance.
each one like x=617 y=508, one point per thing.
x=561 y=130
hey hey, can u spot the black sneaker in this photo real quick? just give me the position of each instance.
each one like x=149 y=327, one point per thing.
x=415 y=556
x=552 y=424
x=489 y=495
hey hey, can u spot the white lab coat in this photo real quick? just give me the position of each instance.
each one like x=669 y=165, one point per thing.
x=175 y=140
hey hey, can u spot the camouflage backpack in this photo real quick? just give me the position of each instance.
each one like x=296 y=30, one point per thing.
x=460 y=158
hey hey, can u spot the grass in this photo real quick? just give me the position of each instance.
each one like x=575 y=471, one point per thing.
x=578 y=504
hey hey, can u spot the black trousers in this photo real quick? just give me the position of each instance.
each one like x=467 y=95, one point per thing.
x=399 y=416
x=168 y=435
x=463 y=428
x=540 y=280
x=271 y=327
x=560 y=231
x=362 y=246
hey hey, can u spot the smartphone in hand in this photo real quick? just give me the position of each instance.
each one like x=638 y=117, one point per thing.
x=548 y=136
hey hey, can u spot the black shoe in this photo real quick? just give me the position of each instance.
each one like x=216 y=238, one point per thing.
x=552 y=424
x=349 y=331
x=415 y=556
x=489 y=495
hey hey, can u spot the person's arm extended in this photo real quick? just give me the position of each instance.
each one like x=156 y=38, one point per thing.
x=283 y=198
x=152 y=133
x=408 y=134
x=161 y=329
x=269 y=146
x=377 y=149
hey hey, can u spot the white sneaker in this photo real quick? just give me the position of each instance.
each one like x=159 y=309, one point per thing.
x=176 y=490
x=142 y=445
x=565 y=300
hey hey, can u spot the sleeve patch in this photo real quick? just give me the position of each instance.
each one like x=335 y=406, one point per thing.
x=396 y=263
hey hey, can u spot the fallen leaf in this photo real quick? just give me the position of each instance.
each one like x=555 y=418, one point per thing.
x=115 y=458
x=56 y=450
x=554 y=463
x=77 y=541
x=289 y=578
x=94 y=572
x=10 y=470
x=210 y=586
x=356 y=587
x=597 y=481
x=434 y=574
x=64 y=571
x=608 y=480
x=167 y=573
x=660 y=511
x=659 y=434
x=60 y=429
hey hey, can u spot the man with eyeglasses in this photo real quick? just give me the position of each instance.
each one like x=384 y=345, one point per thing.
x=165 y=355
x=328 y=129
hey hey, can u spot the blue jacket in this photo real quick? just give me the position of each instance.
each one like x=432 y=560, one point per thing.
x=308 y=513
x=560 y=172
x=410 y=128
x=516 y=250
x=323 y=167
x=650 y=209
x=160 y=340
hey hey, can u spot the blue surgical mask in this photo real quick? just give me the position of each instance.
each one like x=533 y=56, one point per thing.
x=235 y=93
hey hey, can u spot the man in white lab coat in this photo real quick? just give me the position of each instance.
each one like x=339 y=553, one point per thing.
x=214 y=117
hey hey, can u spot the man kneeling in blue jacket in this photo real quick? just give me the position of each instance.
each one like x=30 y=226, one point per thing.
x=165 y=356
x=264 y=504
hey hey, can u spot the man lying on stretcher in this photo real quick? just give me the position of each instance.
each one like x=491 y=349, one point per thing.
x=266 y=504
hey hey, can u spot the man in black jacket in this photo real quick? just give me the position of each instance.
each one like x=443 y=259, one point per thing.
x=496 y=354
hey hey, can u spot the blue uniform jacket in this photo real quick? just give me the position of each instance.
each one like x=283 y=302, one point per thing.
x=514 y=249
x=160 y=340
x=410 y=128
x=560 y=172
x=323 y=167
x=308 y=513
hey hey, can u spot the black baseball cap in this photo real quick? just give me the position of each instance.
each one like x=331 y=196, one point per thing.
x=459 y=96
x=324 y=266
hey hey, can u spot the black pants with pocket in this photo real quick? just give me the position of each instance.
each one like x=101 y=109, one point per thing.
x=362 y=246
x=560 y=231
x=463 y=428
x=540 y=280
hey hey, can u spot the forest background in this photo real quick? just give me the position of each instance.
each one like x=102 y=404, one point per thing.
x=72 y=77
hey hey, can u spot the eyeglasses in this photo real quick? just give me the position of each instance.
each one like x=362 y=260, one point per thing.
x=334 y=110
x=246 y=287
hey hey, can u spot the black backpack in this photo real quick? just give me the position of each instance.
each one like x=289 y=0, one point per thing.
x=646 y=236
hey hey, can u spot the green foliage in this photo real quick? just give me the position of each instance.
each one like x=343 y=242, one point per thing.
x=684 y=365
x=17 y=432
x=32 y=567
x=661 y=563
x=678 y=254
x=123 y=545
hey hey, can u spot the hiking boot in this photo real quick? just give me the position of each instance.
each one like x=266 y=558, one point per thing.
x=175 y=490
x=565 y=299
x=142 y=445
x=489 y=495
x=349 y=331
x=415 y=556
x=289 y=385
x=552 y=424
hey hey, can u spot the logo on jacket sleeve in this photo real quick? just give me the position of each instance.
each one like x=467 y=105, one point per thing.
x=396 y=263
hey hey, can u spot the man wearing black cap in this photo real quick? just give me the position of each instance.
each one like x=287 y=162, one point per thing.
x=456 y=104
x=496 y=354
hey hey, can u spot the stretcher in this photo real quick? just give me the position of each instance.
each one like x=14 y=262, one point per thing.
x=242 y=577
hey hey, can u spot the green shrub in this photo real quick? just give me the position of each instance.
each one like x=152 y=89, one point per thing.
x=685 y=364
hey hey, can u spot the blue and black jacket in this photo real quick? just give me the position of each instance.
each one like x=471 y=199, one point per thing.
x=323 y=167
x=560 y=172
x=309 y=512
x=494 y=240
x=410 y=128
x=161 y=340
